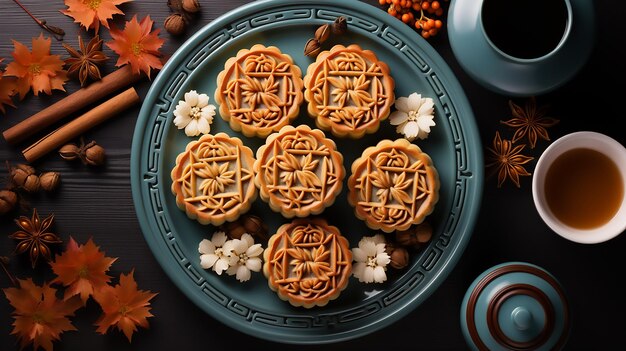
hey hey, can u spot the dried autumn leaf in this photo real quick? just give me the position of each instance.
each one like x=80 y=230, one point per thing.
x=37 y=69
x=92 y=13
x=7 y=90
x=123 y=306
x=40 y=318
x=137 y=45
x=82 y=269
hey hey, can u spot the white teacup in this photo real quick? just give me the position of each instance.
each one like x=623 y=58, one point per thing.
x=614 y=223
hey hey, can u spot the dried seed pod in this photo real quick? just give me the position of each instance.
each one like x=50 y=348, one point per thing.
x=175 y=24
x=49 y=181
x=191 y=6
x=94 y=155
x=20 y=173
x=69 y=152
x=340 y=26
x=312 y=47
x=8 y=199
x=322 y=33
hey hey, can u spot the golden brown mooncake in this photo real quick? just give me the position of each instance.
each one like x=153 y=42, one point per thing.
x=307 y=262
x=213 y=179
x=299 y=171
x=349 y=91
x=259 y=91
x=393 y=185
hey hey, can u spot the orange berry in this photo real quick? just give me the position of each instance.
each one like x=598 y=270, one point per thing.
x=392 y=11
x=406 y=18
x=438 y=24
x=433 y=32
x=417 y=6
x=382 y=2
x=425 y=35
x=418 y=24
x=435 y=5
x=439 y=11
x=425 y=5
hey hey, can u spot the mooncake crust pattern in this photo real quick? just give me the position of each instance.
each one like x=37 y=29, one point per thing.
x=349 y=91
x=298 y=171
x=213 y=179
x=393 y=185
x=259 y=91
x=307 y=262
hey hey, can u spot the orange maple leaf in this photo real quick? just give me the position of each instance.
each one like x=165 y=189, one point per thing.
x=7 y=89
x=82 y=269
x=37 y=69
x=92 y=13
x=123 y=306
x=137 y=45
x=40 y=318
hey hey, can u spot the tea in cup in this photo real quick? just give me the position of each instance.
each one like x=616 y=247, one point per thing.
x=579 y=187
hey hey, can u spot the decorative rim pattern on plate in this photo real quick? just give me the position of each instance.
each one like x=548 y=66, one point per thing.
x=316 y=326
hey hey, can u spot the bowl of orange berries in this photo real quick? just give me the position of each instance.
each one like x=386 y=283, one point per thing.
x=423 y=15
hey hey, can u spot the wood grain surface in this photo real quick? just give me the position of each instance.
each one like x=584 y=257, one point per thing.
x=97 y=203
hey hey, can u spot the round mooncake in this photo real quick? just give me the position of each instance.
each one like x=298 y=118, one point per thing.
x=213 y=179
x=393 y=185
x=259 y=91
x=307 y=262
x=349 y=91
x=298 y=171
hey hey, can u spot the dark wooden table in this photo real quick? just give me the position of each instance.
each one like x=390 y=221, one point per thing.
x=97 y=203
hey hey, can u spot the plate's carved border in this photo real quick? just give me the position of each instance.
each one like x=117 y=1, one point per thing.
x=410 y=284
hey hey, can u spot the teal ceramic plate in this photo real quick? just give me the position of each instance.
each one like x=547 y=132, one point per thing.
x=251 y=307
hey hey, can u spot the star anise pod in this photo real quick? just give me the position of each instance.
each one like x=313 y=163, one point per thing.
x=85 y=62
x=507 y=160
x=530 y=121
x=34 y=237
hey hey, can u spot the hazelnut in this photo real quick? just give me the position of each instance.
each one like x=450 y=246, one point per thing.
x=8 y=199
x=175 y=5
x=322 y=33
x=94 y=155
x=69 y=152
x=312 y=47
x=250 y=224
x=340 y=26
x=175 y=24
x=31 y=184
x=255 y=226
x=415 y=236
x=399 y=258
x=233 y=229
x=49 y=181
x=191 y=6
x=20 y=173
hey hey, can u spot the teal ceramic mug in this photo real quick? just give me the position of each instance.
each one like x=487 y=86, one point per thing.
x=515 y=50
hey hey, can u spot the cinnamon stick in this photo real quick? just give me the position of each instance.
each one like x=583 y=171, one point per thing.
x=81 y=124
x=118 y=79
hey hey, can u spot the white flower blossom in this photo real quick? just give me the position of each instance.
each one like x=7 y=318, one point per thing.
x=371 y=260
x=244 y=257
x=213 y=254
x=413 y=116
x=194 y=114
